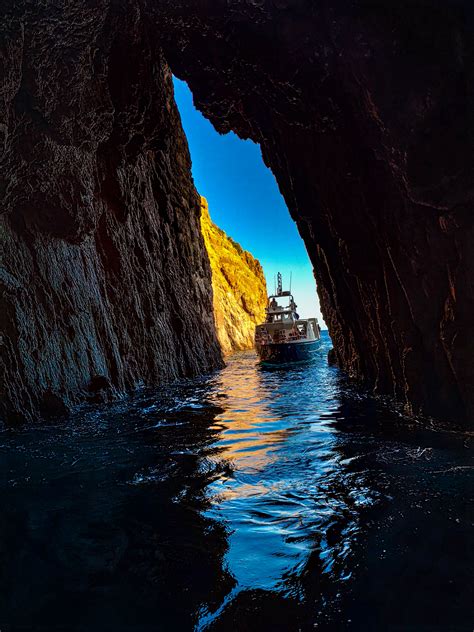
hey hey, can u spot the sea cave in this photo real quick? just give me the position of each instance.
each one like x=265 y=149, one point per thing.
x=154 y=478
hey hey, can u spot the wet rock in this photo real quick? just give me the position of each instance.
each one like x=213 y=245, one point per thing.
x=52 y=405
x=238 y=284
x=99 y=383
x=332 y=357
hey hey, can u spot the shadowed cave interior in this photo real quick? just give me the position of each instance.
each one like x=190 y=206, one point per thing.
x=364 y=115
x=249 y=497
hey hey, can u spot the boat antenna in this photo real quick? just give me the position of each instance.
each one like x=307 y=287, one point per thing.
x=291 y=274
x=280 y=285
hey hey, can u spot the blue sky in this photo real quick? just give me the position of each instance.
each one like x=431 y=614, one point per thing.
x=244 y=200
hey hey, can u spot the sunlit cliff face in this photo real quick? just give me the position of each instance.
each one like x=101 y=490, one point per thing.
x=238 y=285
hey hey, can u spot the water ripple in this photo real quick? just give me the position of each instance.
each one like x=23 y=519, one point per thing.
x=253 y=498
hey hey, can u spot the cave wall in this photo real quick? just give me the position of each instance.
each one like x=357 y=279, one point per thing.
x=101 y=249
x=364 y=112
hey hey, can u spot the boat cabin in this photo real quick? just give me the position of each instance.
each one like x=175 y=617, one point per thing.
x=283 y=324
x=281 y=313
x=284 y=335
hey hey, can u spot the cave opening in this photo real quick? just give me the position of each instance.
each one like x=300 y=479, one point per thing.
x=97 y=224
x=245 y=201
x=155 y=486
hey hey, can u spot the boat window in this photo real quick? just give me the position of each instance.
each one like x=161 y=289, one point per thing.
x=302 y=328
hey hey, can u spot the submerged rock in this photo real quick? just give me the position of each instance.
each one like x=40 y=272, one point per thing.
x=238 y=285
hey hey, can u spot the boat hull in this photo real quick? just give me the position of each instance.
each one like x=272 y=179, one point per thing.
x=287 y=352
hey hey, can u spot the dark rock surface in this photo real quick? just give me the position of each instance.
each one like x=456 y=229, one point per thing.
x=103 y=266
x=364 y=111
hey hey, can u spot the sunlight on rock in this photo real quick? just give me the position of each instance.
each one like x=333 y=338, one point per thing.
x=238 y=284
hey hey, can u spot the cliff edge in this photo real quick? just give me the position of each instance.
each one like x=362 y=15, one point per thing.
x=238 y=284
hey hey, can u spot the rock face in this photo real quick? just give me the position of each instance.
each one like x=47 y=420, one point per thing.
x=102 y=251
x=238 y=285
x=364 y=112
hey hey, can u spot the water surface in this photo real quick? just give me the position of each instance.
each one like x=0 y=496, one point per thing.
x=257 y=498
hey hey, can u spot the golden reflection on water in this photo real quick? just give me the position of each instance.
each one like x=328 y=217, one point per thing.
x=251 y=436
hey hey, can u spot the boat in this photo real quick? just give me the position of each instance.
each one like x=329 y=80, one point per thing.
x=284 y=336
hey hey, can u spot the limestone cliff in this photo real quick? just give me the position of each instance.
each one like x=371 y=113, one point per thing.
x=238 y=284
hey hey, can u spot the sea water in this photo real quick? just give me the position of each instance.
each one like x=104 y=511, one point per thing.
x=255 y=498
